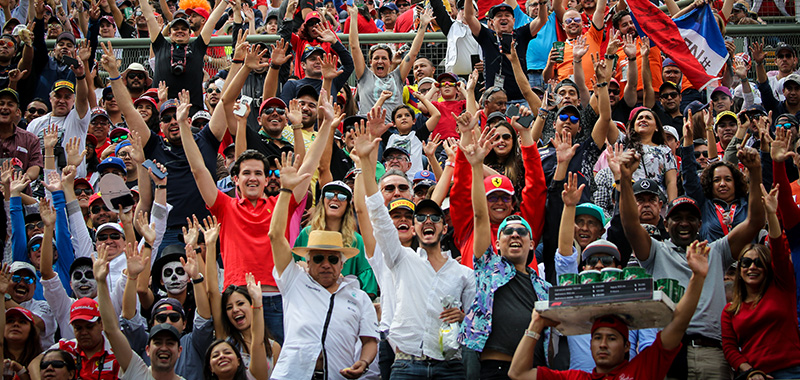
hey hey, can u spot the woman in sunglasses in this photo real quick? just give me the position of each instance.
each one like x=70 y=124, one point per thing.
x=759 y=325
x=58 y=365
x=334 y=212
x=646 y=136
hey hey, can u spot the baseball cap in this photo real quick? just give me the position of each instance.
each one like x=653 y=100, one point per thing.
x=613 y=322
x=36 y=238
x=681 y=203
x=94 y=198
x=495 y=115
x=112 y=162
x=119 y=131
x=426 y=80
x=778 y=48
x=169 y=104
x=670 y=130
x=145 y=99
x=352 y=121
x=744 y=56
x=646 y=185
x=309 y=50
x=66 y=36
x=395 y=148
x=99 y=112
x=273 y=101
x=568 y=107
x=498 y=8
x=739 y=7
x=591 y=209
x=724 y=114
x=444 y=76
x=400 y=204
x=64 y=84
x=308 y=90
x=202 y=12
x=723 y=90
x=167 y=303
x=176 y=20
x=10 y=92
x=165 y=328
x=338 y=185
x=667 y=83
x=428 y=204
x=201 y=115
x=498 y=182
x=513 y=219
x=425 y=183
x=25 y=313
x=601 y=246
x=313 y=16
x=668 y=62
x=85 y=309
x=695 y=106
x=388 y=7
x=793 y=77
x=21 y=265
x=424 y=174
x=110 y=226
x=109 y=19
x=83 y=181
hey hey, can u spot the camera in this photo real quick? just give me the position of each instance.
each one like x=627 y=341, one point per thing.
x=177 y=69
x=178 y=56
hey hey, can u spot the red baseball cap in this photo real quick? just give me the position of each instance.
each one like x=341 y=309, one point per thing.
x=313 y=15
x=613 y=322
x=22 y=311
x=85 y=309
x=94 y=198
x=83 y=181
x=498 y=183
x=273 y=101
x=202 y=12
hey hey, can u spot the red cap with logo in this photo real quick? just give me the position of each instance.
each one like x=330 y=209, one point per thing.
x=85 y=309
x=498 y=183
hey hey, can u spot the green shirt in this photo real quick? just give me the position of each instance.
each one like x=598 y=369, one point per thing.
x=356 y=265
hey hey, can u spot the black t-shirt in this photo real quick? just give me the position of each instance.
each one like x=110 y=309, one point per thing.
x=129 y=31
x=621 y=111
x=264 y=144
x=676 y=121
x=190 y=56
x=511 y=313
x=495 y=62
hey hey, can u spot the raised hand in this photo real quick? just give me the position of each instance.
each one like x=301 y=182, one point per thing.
x=19 y=182
x=78 y=68
x=644 y=47
x=163 y=91
x=572 y=192
x=156 y=180
x=246 y=111
x=749 y=157
x=425 y=18
x=629 y=47
x=46 y=211
x=385 y=95
x=68 y=177
x=137 y=154
x=84 y=50
x=480 y=146
x=324 y=33
x=50 y=136
x=240 y=49
x=780 y=149
x=614 y=151
x=5 y=278
x=579 y=48
x=53 y=182
x=364 y=141
x=183 y=108
x=757 y=52
x=279 y=53
x=210 y=229
x=472 y=81
x=109 y=61
x=429 y=147
x=628 y=163
x=376 y=122
x=565 y=150
x=190 y=263
x=15 y=75
x=254 y=289
x=148 y=231
x=288 y=167
x=253 y=58
x=450 y=146
x=770 y=199
x=464 y=122
x=614 y=44
x=599 y=68
x=740 y=68
x=136 y=261
x=330 y=65
x=100 y=264
x=697 y=257
x=191 y=233
x=295 y=114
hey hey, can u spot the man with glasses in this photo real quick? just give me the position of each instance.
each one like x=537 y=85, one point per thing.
x=273 y=118
x=786 y=60
x=17 y=144
x=99 y=214
x=213 y=94
x=137 y=79
x=394 y=184
x=668 y=108
x=397 y=158
x=670 y=72
x=99 y=126
x=791 y=94
x=36 y=108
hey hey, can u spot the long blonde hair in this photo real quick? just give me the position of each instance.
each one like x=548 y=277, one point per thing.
x=739 y=287
x=348 y=228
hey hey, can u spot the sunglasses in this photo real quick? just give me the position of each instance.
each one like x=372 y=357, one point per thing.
x=379 y=46
x=498 y=197
x=396 y=157
x=114 y=236
x=26 y=279
x=784 y=125
x=98 y=209
x=521 y=231
x=36 y=247
x=6 y=43
x=77 y=276
x=568 y=21
x=391 y=188
x=421 y=218
x=213 y=90
x=746 y=262
x=108 y=96
x=318 y=259
x=506 y=136
x=613 y=91
x=669 y=95
x=136 y=75
x=784 y=56
x=37 y=111
x=276 y=173
x=57 y=364
x=173 y=317
x=445 y=84
x=572 y=119
x=699 y=153
x=270 y=110
x=330 y=194
x=83 y=191
x=606 y=260
x=33 y=225
x=119 y=138
x=167 y=117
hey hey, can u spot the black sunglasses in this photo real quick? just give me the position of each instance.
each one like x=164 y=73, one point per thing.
x=37 y=111
x=746 y=262
x=606 y=260
x=699 y=153
x=167 y=117
x=669 y=95
x=113 y=236
x=391 y=188
x=521 y=231
x=270 y=110
x=421 y=218
x=57 y=364
x=98 y=209
x=318 y=259
x=84 y=191
x=108 y=95
x=173 y=317
x=135 y=75
x=33 y=225
x=213 y=90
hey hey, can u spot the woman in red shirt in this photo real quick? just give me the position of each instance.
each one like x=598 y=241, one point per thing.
x=759 y=326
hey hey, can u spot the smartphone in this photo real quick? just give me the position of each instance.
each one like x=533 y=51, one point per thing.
x=505 y=42
x=123 y=202
x=559 y=46
x=69 y=61
x=512 y=110
x=243 y=102
x=156 y=171
x=526 y=121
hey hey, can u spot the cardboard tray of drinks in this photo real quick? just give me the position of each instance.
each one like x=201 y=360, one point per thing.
x=632 y=295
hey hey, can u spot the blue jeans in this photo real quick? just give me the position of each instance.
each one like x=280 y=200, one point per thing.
x=385 y=357
x=273 y=316
x=787 y=373
x=170 y=238
x=472 y=363
x=429 y=369
x=536 y=80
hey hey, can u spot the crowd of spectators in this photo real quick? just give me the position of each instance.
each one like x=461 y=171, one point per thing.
x=309 y=209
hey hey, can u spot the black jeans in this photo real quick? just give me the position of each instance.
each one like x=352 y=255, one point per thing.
x=494 y=369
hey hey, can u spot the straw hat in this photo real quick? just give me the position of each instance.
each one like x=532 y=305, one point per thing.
x=325 y=241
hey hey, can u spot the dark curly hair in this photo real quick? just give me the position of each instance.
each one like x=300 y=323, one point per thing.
x=707 y=180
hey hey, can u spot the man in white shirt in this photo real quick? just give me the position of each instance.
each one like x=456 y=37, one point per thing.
x=325 y=315
x=424 y=279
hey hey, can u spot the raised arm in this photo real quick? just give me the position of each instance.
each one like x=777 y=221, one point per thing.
x=647 y=77
x=629 y=92
x=355 y=47
x=697 y=258
x=290 y=180
x=119 y=343
x=312 y=158
x=472 y=20
x=153 y=28
x=205 y=182
x=628 y=210
x=571 y=196
x=521 y=78
x=280 y=56
x=475 y=154
x=210 y=229
x=133 y=119
x=603 y=127
x=579 y=49
x=408 y=62
x=259 y=368
x=745 y=232
x=208 y=28
x=136 y=263
x=49 y=218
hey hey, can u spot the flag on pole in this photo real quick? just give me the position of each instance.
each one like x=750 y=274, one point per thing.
x=693 y=41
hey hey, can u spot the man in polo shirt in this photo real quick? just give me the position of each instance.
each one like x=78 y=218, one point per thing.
x=94 y=356
x=325 y=313
x=415 y=326
x=245 y=220
x=667 y=260
x=15 y=142
x=609 y=333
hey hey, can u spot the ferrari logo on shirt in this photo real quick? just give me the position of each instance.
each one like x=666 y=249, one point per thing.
x=497 y=181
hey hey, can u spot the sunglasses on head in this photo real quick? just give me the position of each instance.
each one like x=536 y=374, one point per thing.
x=746 y=262
x=391 y=188
x=668 y=95
x=213 y=90
x=83 y=191
x=699 y=153
x=57 y=364
x=98 y=209
x=33 y=225
x=119 y=138
x=330 y=194
x=108 y=96
x=498 y=197
x=136 y=75
x=270 y=110
x=19 y=278
x=37 y=111
x=606 y=260
x=572 y=119
x=520 y=230
x=112 y=236
x=77 y=276
x=421 y=218
x=173 y=317
x=379 y=46
x=318 y=259
x=167 y=117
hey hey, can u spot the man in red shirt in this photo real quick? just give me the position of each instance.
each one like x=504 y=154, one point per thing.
x=610 y=344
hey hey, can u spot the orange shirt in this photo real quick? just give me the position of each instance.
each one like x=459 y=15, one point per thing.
x=655 y=66
x=594 y=38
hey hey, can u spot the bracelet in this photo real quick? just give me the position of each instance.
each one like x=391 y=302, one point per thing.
x=632 y=59
x=366 y=363
x=450 y=164
x=133 y=279
x=115 y=78
x=199 y=280
x=82 y=77
x=532 y=334
x=256 y=307
x=50 y=156
x=577 y=61
x=237 y=61
x=285 y=190
x=147 y=245
x=274 y=66
x=610 y=56
x=601 y=85
x=25 y=370
x=298 y=126
x=161 y=187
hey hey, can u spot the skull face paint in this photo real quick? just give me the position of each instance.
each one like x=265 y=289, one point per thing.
x=82 y=282
x=174 y=277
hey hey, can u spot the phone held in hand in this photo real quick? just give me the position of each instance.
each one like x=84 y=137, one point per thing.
x=244 y=101
x=506 y=41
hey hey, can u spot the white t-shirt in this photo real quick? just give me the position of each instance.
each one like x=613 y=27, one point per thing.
x=69 y=126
